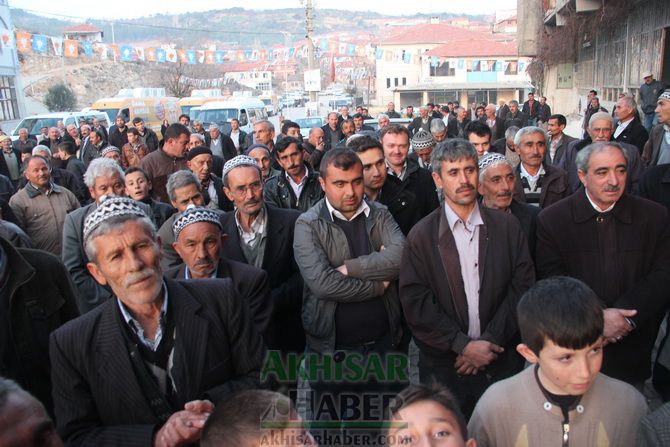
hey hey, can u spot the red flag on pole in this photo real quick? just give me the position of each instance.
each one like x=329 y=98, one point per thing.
x=332 y=67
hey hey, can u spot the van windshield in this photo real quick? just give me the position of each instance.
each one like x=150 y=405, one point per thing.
x=111 y=113
x=218 y=116
x=34 y=125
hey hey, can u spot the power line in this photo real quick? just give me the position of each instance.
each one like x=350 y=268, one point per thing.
x=165 y=27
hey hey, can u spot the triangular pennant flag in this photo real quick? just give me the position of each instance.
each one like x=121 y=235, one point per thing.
x=151 y=54
x=171 y=55
x=71 y=48
x=102 y=50
x=57 y=44
x=209 y=57
x=23 y=42
x=201 y=56
x=161 y=56
x=183 y=57
x=190 y=57
x=126 y=53
x=140 y=53
x=218 y=57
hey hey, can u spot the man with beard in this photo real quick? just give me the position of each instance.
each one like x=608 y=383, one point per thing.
x=296 y=187
x=118 y=133
x=172 y=349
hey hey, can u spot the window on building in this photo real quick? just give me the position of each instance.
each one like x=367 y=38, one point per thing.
x=388 y=82
x=442 y=97
x=396 y=82
x=404 y=81
x=443 y=69
x=512 y=67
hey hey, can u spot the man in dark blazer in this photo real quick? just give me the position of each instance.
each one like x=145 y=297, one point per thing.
x=420 y=122
x=262 y=236
x=38 y=298
x=199 y=241
x=463 y=321
x=597 y=235
x=558 y=141
x=497 y=125
x=332 y=134
x=160 y=353
x=10 y=160
x=659 y=137
x=537 y=183
x=456 y=127
x=629 y=129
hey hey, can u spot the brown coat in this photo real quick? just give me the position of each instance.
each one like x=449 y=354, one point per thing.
x=160 y=166
x=568 y=235
x=652 y=147
x=131 y=156
x=439 y=323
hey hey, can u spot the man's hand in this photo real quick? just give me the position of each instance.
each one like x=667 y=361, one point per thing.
x=464 y=367
x=616 y=326
x=480 y=353
x=184 y=427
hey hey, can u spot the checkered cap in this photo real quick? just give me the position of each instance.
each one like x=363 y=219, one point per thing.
x=665 y=96
x=109 y=149
x=489 y=158
x=422 y=140
x=108 y=208
x=194 y=214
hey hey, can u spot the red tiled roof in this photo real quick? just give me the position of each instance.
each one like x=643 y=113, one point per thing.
x=476 y=48
x=82 y=28
x=431 y=33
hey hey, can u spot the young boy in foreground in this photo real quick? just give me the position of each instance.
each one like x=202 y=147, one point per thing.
x=562 y=399
x=432 y=417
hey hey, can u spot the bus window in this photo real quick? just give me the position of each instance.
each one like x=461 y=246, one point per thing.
x=126 y=114
x=243 y=118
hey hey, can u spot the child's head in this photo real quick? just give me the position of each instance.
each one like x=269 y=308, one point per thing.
x=561 y=324
x=431 y=413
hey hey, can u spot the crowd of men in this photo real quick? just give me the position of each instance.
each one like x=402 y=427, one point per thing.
x=146 y=283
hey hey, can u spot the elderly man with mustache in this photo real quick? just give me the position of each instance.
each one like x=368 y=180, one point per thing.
x=538 y=183
x=147 y=366
x=619 y=245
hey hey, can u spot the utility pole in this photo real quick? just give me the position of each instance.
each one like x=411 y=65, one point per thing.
x=309 y=14
x=113 y=39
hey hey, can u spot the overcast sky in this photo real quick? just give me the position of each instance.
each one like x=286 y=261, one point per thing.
x=122 y=9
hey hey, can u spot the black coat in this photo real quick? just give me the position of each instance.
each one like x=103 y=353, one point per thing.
x=527 y=215
x=161 y=211
x=227 y=147
x=554 y=186
x=519 y=120
x=327 y=143
x=531 y=112
x=568 y=244
x=454 y=128
x=401 y=202
x=4 y=169
x=498 y=131
x=655 y=185
x=41 y=299
x=417 y=123
x=561 y=151
x=283 y=272
x=150 y=139
x=117 y=137
x=97 y=395
x=278 y=192
x=420 y=182
x=634 y=134
x=251 y=284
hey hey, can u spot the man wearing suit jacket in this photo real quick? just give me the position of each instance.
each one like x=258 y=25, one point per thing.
x=558 y=142
x=657 y=149
x=147 y=366
x=537 y=183
x=497 y=125
x=464 y=269
x=262 y=236
x=10 y=161
x=332 y=134
x=199 y=241
x=629 y=129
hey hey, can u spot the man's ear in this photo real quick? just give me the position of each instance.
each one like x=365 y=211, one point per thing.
x=527 y=353
x=323 y=183
x=96 y=273
x=471 y=443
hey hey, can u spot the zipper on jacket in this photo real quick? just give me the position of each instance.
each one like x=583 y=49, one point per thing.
x=566 y=433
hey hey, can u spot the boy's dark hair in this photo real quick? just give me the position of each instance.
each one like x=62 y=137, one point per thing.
x=183 y=115
x=237 y=420
x=563 y=310
x=560 y=118
x=137 y=120
x=285 y=142
x=433 y=393
x=288 y=125
x=134 y=131
x=479 y=128
x=175 y=130
x=133 y=169
x=364 y=143
x=341 y=158
x=68 y=147
x=357 y=115
x=595 y=92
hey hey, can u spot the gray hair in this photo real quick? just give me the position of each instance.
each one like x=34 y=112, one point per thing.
x=85 y=126
x=437 y=126
x=598 y=116
x=382 y=115
x=270 y=126
x=196 y=122
x=515 y=102
x=180 y=179
x=451 y=150
x=41 y=149
x=314 y=129
x=199 y=136
x=584 y=156
x=493 y=164
x=71 y=126
x=423 y=107
x=9 y=387
x=113 y=223
x=102 y=167
x=629 y=101
x=332 y=113
x=529 y=130
x=511 y=132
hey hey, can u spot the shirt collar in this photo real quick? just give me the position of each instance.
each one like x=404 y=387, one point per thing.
x=33 y=191
x=596 y=207
x=187 y=273
x=474 y=219
x=137 y=328
x=362 y=208
x=302 y=180
x=257 y=226
x=403 y=172
x=525 y=173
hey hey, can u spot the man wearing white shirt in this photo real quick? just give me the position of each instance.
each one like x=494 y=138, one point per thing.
x=629 y=128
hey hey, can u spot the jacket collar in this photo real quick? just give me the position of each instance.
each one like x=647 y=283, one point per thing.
x=34 y=192
x=583 y=211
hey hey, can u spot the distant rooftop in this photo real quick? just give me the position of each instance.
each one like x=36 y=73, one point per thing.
x=478 y=47
x=82 y=28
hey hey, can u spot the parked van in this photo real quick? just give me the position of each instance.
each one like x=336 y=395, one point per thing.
x=199 y=97
x=247 y=111
x=153 y=110
x=35 y=123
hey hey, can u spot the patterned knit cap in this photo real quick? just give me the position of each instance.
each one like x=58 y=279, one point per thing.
x=422 y=140
x=665 y=96
x=490 y=158
x=109 y=149
x=108 y=208
x=240 y=160
x=194 y=214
